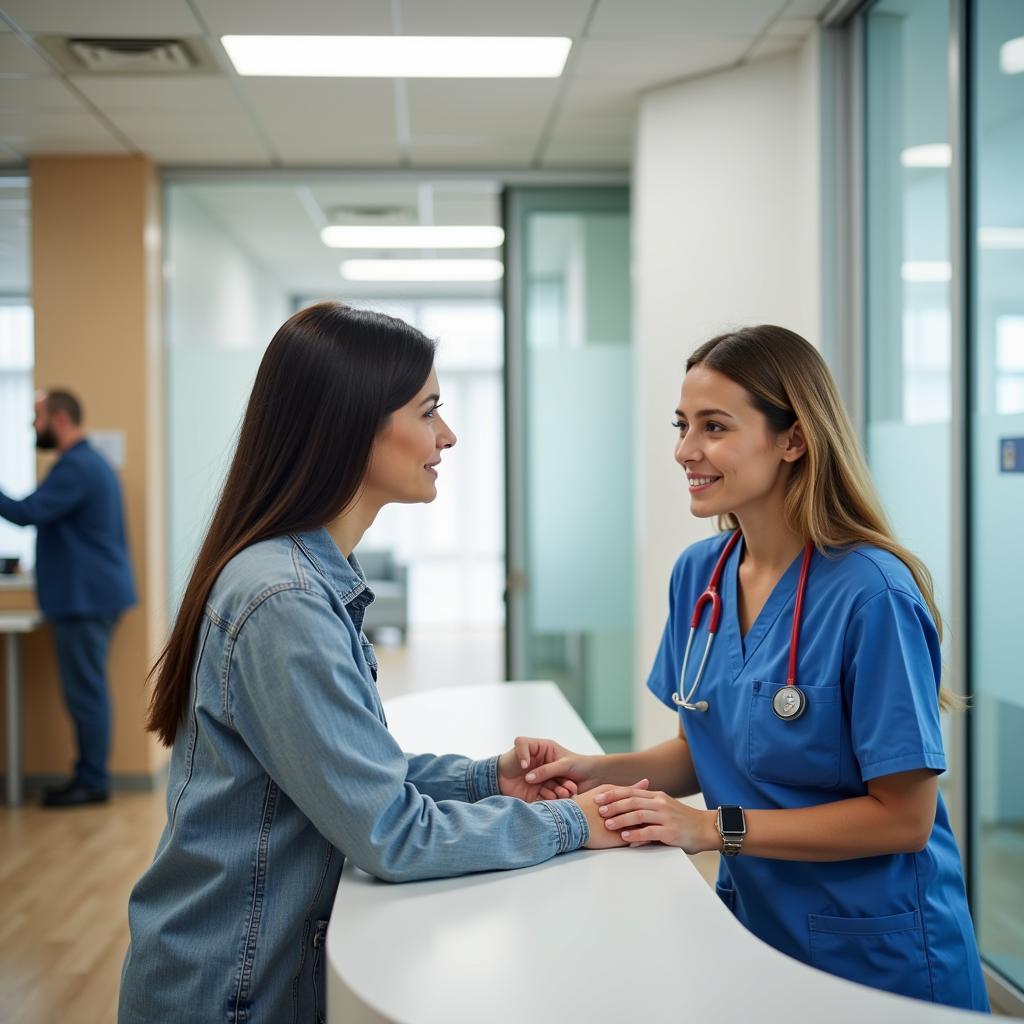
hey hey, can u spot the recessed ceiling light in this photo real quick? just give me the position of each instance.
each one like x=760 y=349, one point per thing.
x=926 y=271
x=399 y=56
x=934 y=154
x=422 y=270
x=1011 y=56
x=412 y=236
x=1001 y=238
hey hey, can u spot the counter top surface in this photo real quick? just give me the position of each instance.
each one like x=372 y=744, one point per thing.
x=17 y=581
x=590 y=936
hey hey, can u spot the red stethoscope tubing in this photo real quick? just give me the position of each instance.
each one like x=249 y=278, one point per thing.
x=712 y=597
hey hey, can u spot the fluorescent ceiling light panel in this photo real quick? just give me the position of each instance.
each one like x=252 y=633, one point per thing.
x=934 y=154
x=422 y=270
x=926 y=271
x=1001 y=238
x=1011 y=56
x=412 y=236
x=399 y=56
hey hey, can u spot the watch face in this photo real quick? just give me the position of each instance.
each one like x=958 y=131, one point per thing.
x=732 y=819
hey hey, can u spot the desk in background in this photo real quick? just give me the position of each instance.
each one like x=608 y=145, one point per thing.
x=12 y=625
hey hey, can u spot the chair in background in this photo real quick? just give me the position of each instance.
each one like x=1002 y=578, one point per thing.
x=389 y=582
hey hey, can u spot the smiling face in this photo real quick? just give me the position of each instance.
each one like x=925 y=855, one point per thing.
x=733 y=461
x=406 y=453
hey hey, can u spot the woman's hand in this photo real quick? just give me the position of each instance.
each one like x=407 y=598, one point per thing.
x=601 y=837
x=640 y=816
x=537 y=769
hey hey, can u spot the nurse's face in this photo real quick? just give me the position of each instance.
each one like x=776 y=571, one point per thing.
x=405 y=457
x=732 y=459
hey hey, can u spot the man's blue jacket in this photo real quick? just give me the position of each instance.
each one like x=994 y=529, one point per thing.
x=82 y=565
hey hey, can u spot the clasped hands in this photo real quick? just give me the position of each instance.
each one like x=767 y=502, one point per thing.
x=634 y=815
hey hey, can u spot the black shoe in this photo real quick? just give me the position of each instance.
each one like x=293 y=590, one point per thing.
x=64 y=787
x=76 y=796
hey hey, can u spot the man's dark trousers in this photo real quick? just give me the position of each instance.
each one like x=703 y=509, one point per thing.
x=82 y=646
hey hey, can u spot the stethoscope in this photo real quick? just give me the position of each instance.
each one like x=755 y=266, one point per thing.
x=790 y=702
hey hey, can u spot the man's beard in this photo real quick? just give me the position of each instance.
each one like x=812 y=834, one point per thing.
x=45 y=441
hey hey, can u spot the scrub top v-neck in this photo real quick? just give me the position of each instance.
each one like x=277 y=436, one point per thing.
x=869 y=666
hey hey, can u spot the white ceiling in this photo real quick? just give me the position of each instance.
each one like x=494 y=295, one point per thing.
x=584 y=119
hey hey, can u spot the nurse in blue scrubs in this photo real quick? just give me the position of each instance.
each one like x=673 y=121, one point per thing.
x=812 y=732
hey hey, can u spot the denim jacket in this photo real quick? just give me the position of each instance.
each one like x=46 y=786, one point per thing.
x=282 y=768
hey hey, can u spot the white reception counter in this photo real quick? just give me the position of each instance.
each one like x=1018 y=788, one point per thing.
x=587 y=937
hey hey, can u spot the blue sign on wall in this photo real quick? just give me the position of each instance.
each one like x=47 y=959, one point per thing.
x=1011 y=454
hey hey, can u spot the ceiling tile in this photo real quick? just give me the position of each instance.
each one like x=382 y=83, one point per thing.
x=807 y=8
x=297 y=146
x=651 y=62
x=37 y=94
x=456 y=107
x=159 y=93
x=473 y=151
x=772 y=46
x=315 y=106
x=573 y=153
x=18 y=59
x=494 y=17
x=44 y=131
x=682 y=17
x=296 y=17
x=596 y=97
x=796 y=28
x=209 y=149
x=143 y=127
x=95 y=18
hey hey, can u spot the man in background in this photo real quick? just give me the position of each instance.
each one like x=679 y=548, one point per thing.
x=83 y=581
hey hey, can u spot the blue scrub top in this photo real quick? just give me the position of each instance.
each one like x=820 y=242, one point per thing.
x=869 y=664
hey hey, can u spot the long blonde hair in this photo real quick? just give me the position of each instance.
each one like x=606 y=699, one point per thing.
x=830 y=496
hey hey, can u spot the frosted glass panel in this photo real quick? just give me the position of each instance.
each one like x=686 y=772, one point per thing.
x=574 y=375
x=580 y=512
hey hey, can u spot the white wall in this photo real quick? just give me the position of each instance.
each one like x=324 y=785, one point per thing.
x=726 y=228
x=223 y=307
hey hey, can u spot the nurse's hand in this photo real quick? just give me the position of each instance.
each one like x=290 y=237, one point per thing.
x=601 y=838
x=515 y=766
x=645 y=817
x=549 y=764
x=528 y=771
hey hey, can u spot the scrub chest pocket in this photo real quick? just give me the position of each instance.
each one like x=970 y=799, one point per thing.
x=799 y=752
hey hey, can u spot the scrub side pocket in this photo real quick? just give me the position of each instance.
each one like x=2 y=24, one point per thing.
x=883 y=952
x=799 y=752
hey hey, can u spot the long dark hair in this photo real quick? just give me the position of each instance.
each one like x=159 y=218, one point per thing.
x=328 y=381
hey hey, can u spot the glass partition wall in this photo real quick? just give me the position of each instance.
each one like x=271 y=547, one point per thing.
x=942 y=137
x=996 y=478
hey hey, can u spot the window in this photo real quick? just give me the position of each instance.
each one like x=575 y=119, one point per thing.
x=17 y=452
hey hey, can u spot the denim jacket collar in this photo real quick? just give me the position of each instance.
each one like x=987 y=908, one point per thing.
x=344 y=575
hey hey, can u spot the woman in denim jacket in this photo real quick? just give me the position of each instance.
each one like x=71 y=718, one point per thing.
x=282 y=764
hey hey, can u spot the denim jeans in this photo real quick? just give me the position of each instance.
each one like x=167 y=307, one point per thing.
x=82 y=646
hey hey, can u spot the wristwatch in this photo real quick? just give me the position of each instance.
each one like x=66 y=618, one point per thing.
x=732 y=826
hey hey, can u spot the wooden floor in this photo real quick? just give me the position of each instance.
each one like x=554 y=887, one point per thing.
x=65 y=876
x=64 y=883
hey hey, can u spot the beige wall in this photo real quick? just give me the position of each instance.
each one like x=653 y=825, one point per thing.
x=95 y=292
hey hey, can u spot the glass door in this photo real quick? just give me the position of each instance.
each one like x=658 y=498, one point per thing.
x=569 y=449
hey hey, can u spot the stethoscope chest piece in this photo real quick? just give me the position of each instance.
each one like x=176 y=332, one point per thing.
x=789 y=703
